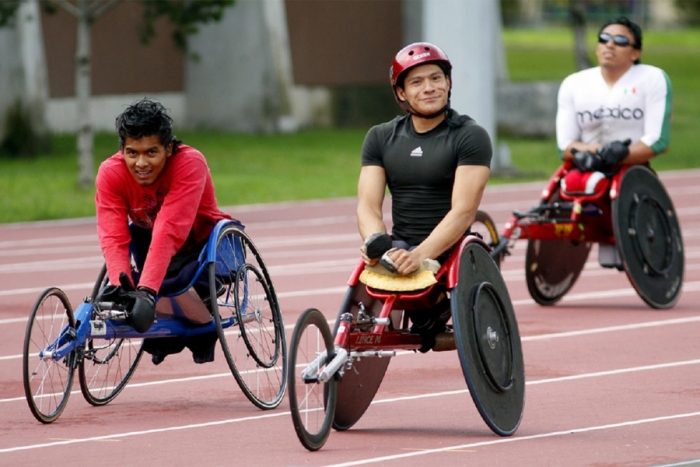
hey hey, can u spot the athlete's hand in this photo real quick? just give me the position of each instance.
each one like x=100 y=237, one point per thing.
x=143 y=309
x=587 y=161
x=140 y=304
x=614 y=152
x=401 y=261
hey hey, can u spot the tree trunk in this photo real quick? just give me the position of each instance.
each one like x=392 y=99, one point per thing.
x=83 y=70
x=35 y=93
x=578 y=20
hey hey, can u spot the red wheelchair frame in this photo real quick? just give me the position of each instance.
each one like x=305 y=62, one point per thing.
x=632 y=215
x=338 y=380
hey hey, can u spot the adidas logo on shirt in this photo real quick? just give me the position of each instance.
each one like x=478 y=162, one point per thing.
x=418 y=152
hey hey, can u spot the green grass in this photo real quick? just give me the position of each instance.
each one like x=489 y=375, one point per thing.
x=320 y=164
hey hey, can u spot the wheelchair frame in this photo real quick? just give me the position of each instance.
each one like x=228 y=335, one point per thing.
x=96 y=337
x=595 y=219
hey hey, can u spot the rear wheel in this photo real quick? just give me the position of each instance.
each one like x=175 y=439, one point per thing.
x=486 y=228
x=255 y=345
x=47 y=381
x=488 y=341
x=312 y=403
x=648 y=237
x=552 y=267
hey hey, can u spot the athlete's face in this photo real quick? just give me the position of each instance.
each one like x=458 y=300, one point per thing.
x=146 y=157
x=425 y=88
x=611 y=55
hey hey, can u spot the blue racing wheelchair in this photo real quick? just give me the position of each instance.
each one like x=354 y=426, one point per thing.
x=96 y=340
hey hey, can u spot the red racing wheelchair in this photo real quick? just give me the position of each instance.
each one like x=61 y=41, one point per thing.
x=333 y=377
x=628 y=214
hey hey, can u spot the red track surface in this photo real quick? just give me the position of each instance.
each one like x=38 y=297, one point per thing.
x=609 y=380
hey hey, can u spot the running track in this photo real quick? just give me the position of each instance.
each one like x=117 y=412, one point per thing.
x=609 y=380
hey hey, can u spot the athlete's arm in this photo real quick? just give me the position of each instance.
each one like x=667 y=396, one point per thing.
x=567 y=128
x=370 y=197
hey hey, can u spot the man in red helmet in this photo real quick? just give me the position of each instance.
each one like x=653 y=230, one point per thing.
x=435 y=163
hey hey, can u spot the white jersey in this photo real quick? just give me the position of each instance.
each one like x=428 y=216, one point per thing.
x=637 y=106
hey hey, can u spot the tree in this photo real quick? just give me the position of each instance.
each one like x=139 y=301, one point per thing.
x=578 y=23
x=690 y=10
x=184 y=14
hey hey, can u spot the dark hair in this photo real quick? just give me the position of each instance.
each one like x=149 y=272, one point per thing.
x=633 y=28
x=145 y=118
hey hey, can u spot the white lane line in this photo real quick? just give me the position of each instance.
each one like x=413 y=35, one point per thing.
x=392 y=400
x=688 y=287
x=516 y=439
x=540 y=337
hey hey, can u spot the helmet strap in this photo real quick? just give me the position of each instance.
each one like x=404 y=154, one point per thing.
x=410 y=110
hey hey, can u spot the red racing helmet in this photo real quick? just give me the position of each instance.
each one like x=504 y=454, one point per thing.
x=418 y=53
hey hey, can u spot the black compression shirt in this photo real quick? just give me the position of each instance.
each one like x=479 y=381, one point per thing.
x=420 y=168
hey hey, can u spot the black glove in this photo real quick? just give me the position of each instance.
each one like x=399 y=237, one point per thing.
x=614 y=152
x=140 y=305
x=377 y=244
x=111 y=293
x=587 y=161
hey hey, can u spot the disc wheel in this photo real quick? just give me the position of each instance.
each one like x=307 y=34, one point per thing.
x=488 y=341
x=357 y=387
x=311 y=402
x=485 y=227
x=552 y=267
x=47 y=381
x=255 y=345
x=648 y=237
x=107 y=364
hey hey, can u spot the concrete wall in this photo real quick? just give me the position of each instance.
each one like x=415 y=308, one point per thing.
x=11 y=75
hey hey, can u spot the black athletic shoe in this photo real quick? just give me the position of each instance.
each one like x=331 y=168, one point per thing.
x=429 y=323
x=203 y=346
x=428 y=332
x=160 y=347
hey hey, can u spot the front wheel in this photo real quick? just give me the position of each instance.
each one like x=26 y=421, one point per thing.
x=47 y=381
x=107 y=365
x=106 y=368
x=312 y=403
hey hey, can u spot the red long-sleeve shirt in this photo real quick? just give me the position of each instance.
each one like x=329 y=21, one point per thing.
x=179 y=207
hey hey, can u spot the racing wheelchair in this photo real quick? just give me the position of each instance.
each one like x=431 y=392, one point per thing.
x=96 y=340
x=629 y=215
x=333 y=377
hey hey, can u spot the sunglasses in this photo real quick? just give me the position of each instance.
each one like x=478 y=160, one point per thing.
x=621 y=41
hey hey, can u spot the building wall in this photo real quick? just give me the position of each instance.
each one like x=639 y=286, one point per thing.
x=120 y=62
x=346 y=46
x=343 y=42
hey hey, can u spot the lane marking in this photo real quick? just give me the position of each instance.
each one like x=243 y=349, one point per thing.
x=393 y=400
x=518 y=439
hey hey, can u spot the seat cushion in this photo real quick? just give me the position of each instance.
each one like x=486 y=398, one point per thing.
x=577 y=183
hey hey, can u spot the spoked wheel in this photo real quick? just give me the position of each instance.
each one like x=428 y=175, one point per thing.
x=485 y=227
x=255 y=347
x=47 y=381
x=552 y=267
x=488 y=341
x=106 y=367
x=311 y=402
x=107 y=364
x=648 y=237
